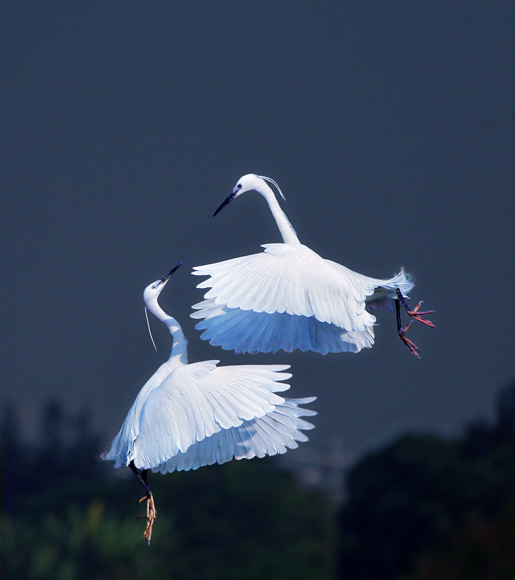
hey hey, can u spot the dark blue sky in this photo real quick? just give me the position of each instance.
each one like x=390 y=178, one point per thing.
x=388 y=127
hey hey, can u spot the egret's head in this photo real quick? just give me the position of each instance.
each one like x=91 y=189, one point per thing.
x=248 y=182
x=153 y=290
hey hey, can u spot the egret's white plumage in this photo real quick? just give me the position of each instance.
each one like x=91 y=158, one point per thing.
x=288 y=297
x=190 y=415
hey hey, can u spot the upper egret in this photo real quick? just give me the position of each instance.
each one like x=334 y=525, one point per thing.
x=288 y=297
x=190 y=415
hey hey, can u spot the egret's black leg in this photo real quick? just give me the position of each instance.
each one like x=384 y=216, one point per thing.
x=398 y=313
x=151 y=507
x=142 y=478
x=403 y=300
x=416 y=314
x=402 y=331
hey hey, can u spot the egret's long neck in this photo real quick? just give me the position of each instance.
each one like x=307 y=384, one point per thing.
x=283 y=223
x=179 y=354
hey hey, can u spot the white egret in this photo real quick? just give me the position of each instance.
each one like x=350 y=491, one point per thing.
x=288 y=297
x=190 y=415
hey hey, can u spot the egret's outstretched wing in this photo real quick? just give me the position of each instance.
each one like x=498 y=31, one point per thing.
x=246 y=331
x=290 y=278
x=198 y=400
x=273 y=433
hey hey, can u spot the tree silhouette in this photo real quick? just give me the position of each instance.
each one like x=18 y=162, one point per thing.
x=421 y=493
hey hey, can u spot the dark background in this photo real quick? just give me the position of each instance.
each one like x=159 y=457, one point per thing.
x=388 y=126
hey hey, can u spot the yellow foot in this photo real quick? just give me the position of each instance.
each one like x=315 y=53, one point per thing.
x=150 y=517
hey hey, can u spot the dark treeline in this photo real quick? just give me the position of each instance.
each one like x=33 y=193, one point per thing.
x=430 y=508
x=66 y=515
x=422 y=508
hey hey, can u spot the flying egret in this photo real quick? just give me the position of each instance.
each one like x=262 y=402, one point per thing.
x=190 y=415
x=288 y=297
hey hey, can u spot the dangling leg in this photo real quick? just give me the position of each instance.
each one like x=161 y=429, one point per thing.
x=416 y=314
x=151 y=508
x=402 y=331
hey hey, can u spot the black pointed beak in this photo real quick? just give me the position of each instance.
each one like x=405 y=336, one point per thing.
x=224 y=203
x=167 y=276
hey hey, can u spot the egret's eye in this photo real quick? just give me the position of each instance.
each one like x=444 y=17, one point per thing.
x=153 y=286
x=239 y=186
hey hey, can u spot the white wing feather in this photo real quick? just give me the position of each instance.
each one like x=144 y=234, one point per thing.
x=288 y=297
x=271 y=434
x=198 y=401
x=290 y=278
x=383 y=290
x=246 y=331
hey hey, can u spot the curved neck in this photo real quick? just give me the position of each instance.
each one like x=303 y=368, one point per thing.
x=283 y=223
x=179 y=354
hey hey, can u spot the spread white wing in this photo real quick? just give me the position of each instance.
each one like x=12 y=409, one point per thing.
x=199 y=401
x=288 y=297
x=290 y=278
x=272 y=434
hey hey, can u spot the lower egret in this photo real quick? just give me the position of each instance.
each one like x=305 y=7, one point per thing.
x=288 y=297
x=190 y=415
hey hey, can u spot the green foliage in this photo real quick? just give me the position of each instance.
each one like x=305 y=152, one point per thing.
x=69 y=516
x=81 y=543
x=422 y=508
x=246 y=520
